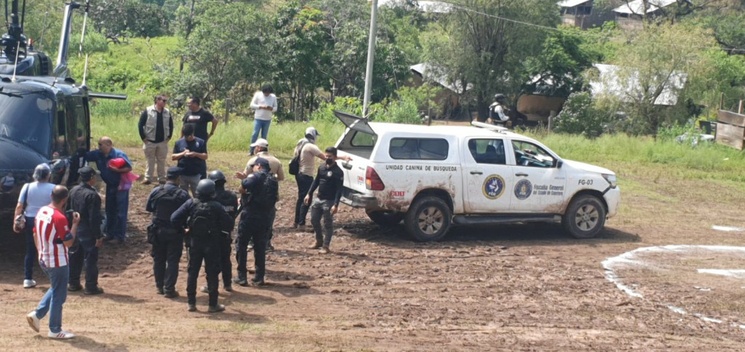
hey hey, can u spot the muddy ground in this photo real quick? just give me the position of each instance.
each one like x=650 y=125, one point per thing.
x=515 y=288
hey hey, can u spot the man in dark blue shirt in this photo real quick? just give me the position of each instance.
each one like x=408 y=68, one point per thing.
x=117 y=202
x=329 y=182
x=191 y=153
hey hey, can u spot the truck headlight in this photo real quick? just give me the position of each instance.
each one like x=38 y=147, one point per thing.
x=611 y=180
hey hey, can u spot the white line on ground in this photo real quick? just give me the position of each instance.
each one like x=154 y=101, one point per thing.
x=630 y=259
x=727 y=228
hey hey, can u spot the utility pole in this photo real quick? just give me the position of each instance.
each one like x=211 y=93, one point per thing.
x=370 y=58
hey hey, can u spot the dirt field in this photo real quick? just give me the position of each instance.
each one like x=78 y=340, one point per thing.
x=514 y=288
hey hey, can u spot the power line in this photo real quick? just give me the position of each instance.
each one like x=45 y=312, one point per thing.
x=466 y=9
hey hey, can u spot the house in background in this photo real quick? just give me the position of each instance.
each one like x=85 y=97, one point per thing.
x=582 y=13
x=629 y=15
x=448 y=100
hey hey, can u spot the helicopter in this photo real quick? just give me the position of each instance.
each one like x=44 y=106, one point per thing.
x=44 y=114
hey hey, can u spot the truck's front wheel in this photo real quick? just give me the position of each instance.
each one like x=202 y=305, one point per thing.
x=585 y=217
x=428 y=219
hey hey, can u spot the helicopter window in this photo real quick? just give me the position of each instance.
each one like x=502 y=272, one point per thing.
x=23 y=121
x=81 y=124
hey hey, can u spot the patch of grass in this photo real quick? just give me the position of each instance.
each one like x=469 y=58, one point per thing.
x=235 y=136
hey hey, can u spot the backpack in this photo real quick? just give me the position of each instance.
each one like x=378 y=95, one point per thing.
x=166 y=201
x=202 y=222
x=265 y=195
x=295 y=162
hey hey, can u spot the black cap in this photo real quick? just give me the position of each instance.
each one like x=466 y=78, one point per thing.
x=86 y=173
x=174 y=172
x=263 y=162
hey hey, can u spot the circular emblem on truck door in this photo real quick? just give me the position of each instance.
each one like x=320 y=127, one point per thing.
x=523 y=189
x=493 y=186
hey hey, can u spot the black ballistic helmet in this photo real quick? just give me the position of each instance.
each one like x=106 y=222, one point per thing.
x=216 y=176
x=499 y=97
x=206 y=189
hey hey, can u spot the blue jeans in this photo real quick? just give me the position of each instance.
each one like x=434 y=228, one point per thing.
x=31 y=254
x=55 y=297
x=262 y=125
x=117 y=205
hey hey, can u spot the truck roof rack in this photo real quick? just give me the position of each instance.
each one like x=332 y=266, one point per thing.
x=489 y=127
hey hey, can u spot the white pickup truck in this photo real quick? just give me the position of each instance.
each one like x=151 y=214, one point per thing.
x=435 y=176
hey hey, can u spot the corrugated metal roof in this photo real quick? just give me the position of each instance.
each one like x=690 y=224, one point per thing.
x=637 y=6
x=610 y=83
x=571 y=3
x=428 y=74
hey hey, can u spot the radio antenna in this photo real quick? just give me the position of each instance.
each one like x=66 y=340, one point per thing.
x=82 y=33
x=85 y=69
x=15 y=66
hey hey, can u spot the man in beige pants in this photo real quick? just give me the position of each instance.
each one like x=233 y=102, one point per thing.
x=156 y=128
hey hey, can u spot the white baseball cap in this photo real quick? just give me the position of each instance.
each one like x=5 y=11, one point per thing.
x=312 y=131
x=261 y=142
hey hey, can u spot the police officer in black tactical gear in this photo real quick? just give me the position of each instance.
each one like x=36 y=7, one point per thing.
x=259 y=193
x=85 y=200
x=229 y=202
x=167 y=240
x=208 y=223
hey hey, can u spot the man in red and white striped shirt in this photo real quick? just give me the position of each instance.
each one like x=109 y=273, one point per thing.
x=52 y=237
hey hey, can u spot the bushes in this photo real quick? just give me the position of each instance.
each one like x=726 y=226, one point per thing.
x=583 y=115
x=403 y=109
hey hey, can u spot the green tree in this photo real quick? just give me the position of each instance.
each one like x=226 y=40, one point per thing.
x=128 y=17
x=483 y=43
x=652 y=62
x=558 y=70
x=304 y=49
x=225 y=48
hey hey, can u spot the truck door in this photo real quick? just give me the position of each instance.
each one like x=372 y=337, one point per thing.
x=539 y=183
x=487 y=179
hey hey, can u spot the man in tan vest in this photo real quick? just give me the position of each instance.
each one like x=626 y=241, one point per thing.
x=156 y=129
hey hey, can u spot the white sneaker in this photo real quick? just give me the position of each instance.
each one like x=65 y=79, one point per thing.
x=64 y=335
x=33 y=321
x=29 y=283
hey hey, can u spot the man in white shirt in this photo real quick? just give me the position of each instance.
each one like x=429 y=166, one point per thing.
x=264 y=103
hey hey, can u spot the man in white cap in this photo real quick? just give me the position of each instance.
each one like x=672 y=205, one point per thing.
x=307 y=150
x=261 y=150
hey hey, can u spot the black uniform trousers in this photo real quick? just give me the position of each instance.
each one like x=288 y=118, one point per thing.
x=207 y=249
x=226 y=266
x=84 y=254
x=167 y=250
x=256 y=229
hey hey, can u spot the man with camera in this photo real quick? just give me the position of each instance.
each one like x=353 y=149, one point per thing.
x=84 y=199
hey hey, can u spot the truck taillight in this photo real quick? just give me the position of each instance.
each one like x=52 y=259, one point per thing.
x=373 y=181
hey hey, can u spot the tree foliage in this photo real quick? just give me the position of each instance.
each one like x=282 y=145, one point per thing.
x=557 y=71
x=654 y=60
x=476 y=44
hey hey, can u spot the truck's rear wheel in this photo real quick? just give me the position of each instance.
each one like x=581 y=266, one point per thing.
x=585 y=217
x=385 y=218
x=428 y=219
